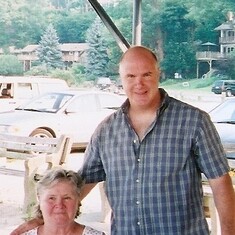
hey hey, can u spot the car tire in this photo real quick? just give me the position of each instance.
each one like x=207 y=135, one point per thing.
x=41 y=133
x=228 y=93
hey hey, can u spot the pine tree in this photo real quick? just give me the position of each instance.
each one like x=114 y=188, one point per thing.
x=49 y=52
x=97 y=56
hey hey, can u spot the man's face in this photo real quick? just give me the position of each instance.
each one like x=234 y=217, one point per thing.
x=140 y=76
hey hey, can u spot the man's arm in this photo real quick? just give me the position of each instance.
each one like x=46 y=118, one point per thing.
x=224 y=198
x=86 y=189
x=26 y=226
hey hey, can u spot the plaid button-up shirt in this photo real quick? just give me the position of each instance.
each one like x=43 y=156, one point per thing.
x=154 y=185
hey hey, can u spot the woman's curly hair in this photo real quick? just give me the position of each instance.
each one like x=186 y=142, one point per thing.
x=54 y=176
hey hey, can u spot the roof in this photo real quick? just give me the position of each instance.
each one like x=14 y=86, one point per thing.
x=63 y=47
x=74 y=46
x=226 y=26
x=30 y=48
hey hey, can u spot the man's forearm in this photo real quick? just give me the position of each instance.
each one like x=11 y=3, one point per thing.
x=33 y=223
x=224 y=197
x=86 y=189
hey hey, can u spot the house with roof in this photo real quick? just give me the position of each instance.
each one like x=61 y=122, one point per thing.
x=226 y=44
x=227 y=35
x=71 y=53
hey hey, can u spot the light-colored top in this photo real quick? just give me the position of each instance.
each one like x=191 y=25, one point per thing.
x=154 y=184
x=87 y=231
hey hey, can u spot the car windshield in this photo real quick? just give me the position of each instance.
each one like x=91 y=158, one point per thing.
x=224 y=112
x=218 y=83
x=50 y=103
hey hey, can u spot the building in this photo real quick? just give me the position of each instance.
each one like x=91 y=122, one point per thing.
x=227 y=35
x=71 y=53
x=226 y=44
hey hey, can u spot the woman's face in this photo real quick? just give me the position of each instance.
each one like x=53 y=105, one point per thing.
x=59 y=203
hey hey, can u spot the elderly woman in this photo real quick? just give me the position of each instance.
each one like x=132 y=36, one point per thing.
x=58 y=205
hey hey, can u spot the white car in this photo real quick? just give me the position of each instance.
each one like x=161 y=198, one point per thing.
x=72 y=112
x=223 y=117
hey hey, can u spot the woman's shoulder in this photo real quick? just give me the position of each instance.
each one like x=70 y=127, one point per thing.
x=91 y=231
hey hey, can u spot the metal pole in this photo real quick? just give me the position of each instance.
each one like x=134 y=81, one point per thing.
x=136 y=27
x=121 y=41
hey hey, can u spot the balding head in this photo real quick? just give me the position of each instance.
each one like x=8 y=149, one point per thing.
x=137 y=51
x=138 y=54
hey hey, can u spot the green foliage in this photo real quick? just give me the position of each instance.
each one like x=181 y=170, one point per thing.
x=21 y=22
x=37 y=70
x=120 y=15
x=201 y=83
x=97 y=55
x=79 y=73
x=169 y=27
x=207 y=17
x=227 y=67
x=71 y=27
x=192 y=84
x=10 y=65
x=67 y=75
x=179 y=54
x=49 y=52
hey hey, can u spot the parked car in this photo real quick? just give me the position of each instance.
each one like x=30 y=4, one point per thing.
x=103 y=83
x=72 y=112
x=223 y=116
x=230 y=91
x=16 y=90
x=221 y=86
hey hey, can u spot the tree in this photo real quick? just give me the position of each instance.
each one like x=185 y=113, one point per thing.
x=97 y=57
x=227 y=67
x=71 y=27
x=49 y=52
x=10 y=65
x=21 y=22
x=179 y=52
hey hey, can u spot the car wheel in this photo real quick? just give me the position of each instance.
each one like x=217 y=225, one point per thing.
x=41 y=133
x=228 y=93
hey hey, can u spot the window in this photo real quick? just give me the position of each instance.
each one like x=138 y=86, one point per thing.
x=25 y=91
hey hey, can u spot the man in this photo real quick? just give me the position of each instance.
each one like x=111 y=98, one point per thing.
x=151 y=153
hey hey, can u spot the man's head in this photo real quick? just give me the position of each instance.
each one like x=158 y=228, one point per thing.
x=139 y=72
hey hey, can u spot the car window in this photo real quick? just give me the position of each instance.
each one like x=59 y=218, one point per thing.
x=48 y=103
x=6 y=90
x=24 y=91
x=109 y=101
x=218 y=83
x=84 y=103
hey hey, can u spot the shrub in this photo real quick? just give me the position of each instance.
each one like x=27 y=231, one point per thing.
x=10 y=65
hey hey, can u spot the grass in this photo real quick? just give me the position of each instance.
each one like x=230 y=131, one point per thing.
x=188 y=85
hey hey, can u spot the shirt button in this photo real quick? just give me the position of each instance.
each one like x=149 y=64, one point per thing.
x=137 y=202
x=138 y=223
x=137 y=181
x=135 y=141
x=138 y=160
